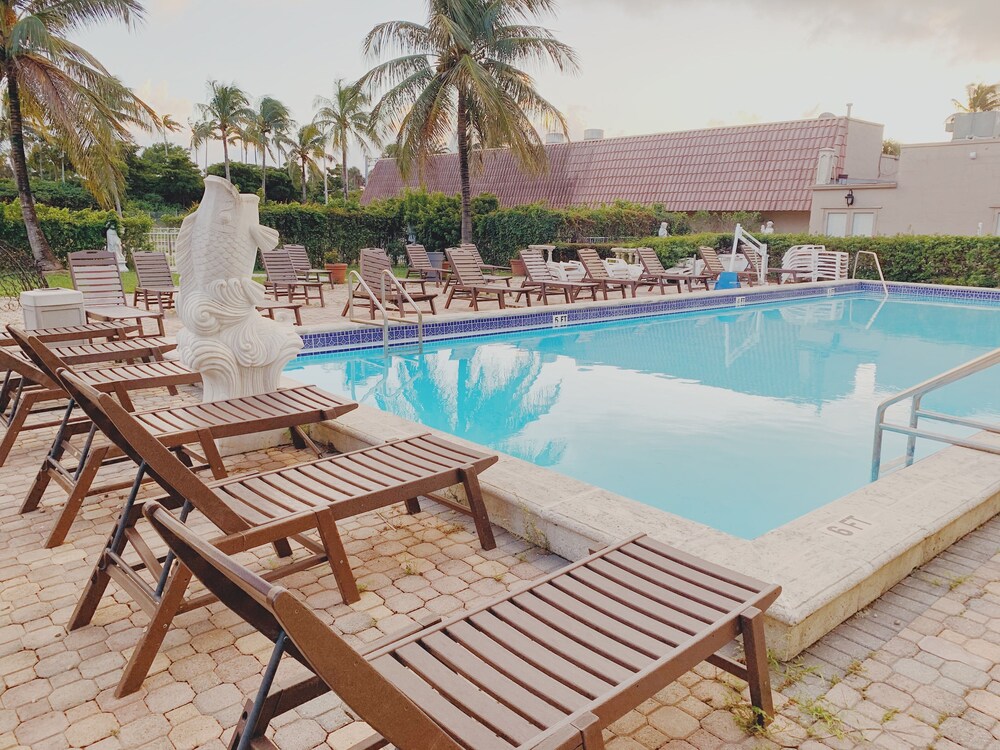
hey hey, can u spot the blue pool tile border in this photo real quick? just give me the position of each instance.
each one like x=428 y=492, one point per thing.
x=542 y=318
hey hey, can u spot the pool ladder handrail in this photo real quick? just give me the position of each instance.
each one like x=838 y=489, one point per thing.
x=913 y=431
x=380 y=303
x=878 y=266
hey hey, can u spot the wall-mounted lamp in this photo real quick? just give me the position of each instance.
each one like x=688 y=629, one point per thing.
x=849 y=198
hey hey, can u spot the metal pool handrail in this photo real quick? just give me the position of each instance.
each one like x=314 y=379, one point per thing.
x=380 y=303
x=913 y=431
x=878 y=266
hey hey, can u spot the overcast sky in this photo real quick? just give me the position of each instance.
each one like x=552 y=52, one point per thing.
x=647 y=66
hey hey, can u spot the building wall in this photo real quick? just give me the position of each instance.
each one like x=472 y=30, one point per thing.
x=940 y=188
x=796 y=222
x=864 y=149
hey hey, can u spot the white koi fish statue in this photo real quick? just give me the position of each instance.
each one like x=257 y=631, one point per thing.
x=237 y=350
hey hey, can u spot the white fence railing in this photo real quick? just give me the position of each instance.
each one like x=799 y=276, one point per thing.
x=164 y=239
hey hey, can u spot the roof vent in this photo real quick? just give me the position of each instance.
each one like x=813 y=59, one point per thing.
x=593 y=134
x=553 y=138
x=827 y=116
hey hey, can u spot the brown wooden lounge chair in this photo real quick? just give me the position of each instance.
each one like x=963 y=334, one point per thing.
x=107 y=331
x=596 y=272
x=543 y=668
x=374 y=263
x=714 y=266
x=653 y=270
x=494 y=272
x=267 y=508
x=75 y=468
x=420 y=265
x=269 y=308
x=35 y=391
x=282 y=279
x=469 y=282
x=541 y=276
x=755 y=261
x=95 y=275
x=155 y=283
x=303 y=266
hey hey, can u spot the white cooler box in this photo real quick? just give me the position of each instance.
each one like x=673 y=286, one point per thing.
x=52 y=308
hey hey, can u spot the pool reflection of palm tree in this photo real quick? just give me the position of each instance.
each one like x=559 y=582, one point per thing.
x=488 y=396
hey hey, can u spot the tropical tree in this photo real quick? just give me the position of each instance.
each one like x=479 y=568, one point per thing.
x=228 y=109
x=304 y=151
x=61 y=87
x=271 y=121
x=201 y=133
x=980 y=97
x=459 y=71
x=168 y=123
x=345 y=117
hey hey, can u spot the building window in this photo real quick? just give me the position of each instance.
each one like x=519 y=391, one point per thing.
x=836 y=224
x=863 y=224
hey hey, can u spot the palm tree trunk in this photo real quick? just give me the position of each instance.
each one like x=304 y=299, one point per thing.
x=343 y=165
x=40 y=248
x=304 y=181
x=225 y=151
x=263 y=171
x=463 y=169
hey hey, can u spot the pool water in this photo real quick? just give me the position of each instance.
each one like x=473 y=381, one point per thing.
x=742 y=419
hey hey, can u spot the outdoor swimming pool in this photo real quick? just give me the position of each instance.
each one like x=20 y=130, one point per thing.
x=741 y=419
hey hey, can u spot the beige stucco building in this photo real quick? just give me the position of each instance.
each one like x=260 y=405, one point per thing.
x=951 y=187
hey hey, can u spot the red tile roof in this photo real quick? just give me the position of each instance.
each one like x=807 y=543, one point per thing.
x=766 y=167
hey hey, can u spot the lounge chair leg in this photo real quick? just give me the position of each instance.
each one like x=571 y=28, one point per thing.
x=152 y=638
x=14 y=426
x=451 y=293
x=474 y=494
x=84 y=480
x=337 y=557
x=412 y=505
x=248 y=726
x=752 y=627
x=590 y=732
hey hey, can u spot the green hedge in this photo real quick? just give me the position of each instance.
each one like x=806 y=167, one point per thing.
x=335 y=231
x=68 y=231
x=925 y=259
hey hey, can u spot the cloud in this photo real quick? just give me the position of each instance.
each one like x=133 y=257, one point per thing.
x=966 y=29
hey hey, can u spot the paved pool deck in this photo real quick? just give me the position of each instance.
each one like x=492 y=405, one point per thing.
x=918 y=668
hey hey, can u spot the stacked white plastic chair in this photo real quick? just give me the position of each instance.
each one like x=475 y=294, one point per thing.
x=825 y=265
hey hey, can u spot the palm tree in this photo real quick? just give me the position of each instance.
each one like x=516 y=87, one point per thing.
x=227 y=109
x=168 y=123
x=201 y=133
x=460 y=71
x=52 y=81
x=980 y=97
x=271 y=121
x=304 y=150
x=345 y=117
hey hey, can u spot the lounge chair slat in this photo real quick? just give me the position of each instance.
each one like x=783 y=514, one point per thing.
x=566 y=697
x=694 y=600
x=555 y=640
x=639 y=620
x=668 y=613
x=529 y=704
x=455 y=721
x=653 y=647
x=619 y=651
x=733 y=592
x=466 y=695
x=744 y=584
x=539 y=654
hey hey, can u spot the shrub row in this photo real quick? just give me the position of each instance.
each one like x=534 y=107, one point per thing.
x=433 y=219
x=68 y=231
x=925 y=259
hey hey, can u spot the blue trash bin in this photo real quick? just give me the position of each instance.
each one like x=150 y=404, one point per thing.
x=728 y=280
